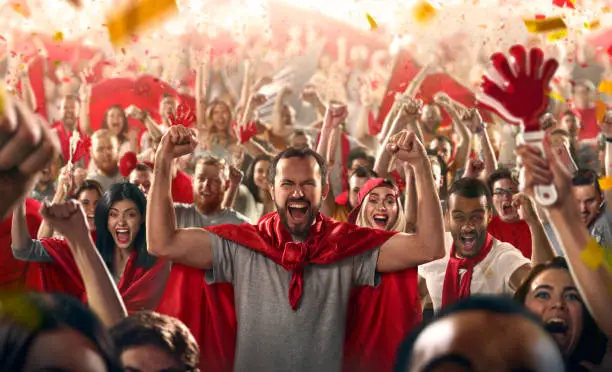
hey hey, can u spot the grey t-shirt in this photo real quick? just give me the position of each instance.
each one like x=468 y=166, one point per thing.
x=188 y=216
x=601 y=229
x=106 y=181
x=271 y=336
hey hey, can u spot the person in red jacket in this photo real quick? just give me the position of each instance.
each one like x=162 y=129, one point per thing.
x=506 y=225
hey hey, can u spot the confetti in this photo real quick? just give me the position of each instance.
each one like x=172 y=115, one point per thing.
x=605 y=86
x=372 y=22
x=21 y=7
x=556 y=96
x=565 y=3
x=137 y=16
x=423 y=12
x=544 y=25
x=592 y=255
x=592 y=25
x=557 y=35
x=58 y=36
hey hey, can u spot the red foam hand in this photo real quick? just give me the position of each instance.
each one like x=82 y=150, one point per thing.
x=245 y=132
x=127 y=163
x=82 y=149
x=183 y=116
x=523 y=96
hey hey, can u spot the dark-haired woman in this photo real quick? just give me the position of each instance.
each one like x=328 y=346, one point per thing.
x=120 y=241
x=257 y=182
x=42 y=332
x=550 y=292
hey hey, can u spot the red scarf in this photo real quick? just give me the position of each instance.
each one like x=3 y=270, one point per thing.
x=140 y=288
x=208 y=310
x=453 y=291
x=329 y=241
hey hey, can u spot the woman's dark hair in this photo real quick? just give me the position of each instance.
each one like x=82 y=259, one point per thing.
x=104 y=239
x=162 y=331
x=592 y=344
x=249 y=181
x=25 y=316
x=122 y=136
x=89 y=185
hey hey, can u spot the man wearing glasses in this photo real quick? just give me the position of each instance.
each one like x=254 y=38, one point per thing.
x=506 y=225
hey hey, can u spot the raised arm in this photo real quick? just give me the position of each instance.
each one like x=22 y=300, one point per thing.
x=26 y=147
x=404 y=250
x=235 y=177
x=586 y=259
x=201 y=90
x=85 y=93
x=190 y=247
x=102 y=295
x=64 y=185
x=473 y=121
x=464 y=143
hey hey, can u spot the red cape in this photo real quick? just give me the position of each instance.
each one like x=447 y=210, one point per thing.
x=208 y=310
x=139 y=287
x=12 y=271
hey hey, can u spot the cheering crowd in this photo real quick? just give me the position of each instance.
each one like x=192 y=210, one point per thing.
x=276 y=229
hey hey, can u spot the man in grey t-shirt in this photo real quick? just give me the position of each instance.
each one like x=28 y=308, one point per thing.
x=273 y=335
x=210 y=184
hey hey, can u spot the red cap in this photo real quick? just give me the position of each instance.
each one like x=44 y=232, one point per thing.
x=364 y=191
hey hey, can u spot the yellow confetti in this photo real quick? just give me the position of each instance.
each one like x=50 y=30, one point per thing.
x=2 y=93
x=123 y=24
x=58 y=36
x=592 y=25
x=557 y=35
x=423 y=12
x=556 y=96
x=605 y=183
x=371 y=21
x=605 y=86
x=20 y=309
x=544 y=25
x=600 y=110
x=21 y=7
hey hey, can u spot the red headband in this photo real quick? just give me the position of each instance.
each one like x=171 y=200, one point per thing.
x=365 y=190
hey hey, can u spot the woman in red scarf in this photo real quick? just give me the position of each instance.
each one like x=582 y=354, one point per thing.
x=385 y=314
x=120 y=241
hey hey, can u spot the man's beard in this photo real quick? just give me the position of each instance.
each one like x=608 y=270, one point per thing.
x=207 y=205
x=298 y=232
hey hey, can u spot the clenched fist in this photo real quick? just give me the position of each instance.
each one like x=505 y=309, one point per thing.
x=177 y=141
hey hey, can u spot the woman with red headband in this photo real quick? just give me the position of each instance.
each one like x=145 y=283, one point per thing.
x=383 y=327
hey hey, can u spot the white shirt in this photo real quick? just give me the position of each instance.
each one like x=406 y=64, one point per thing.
x=490 y=276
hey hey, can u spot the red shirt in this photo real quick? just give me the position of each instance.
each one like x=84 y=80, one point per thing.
x=12 y=271
x=182 y=189
x=588 y=118
x=64 y=138
x=515 y=233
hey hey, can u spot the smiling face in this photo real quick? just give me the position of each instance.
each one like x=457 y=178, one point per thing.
x=167 y=107
x=503 y=191
x=442 y=148
x=105 y=153
x=468 y=222
x=142 y=179
x=297 y=193
x=89 y=200
x=220 y=117
x=381 y=208
x=69 y=109
x=553 y=297
x=260 y=174
x=115 y=120
x=124 y=222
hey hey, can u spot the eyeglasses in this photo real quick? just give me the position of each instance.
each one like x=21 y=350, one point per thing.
x=503 y=192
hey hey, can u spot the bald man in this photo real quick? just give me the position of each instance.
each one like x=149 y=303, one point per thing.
x=481 y=333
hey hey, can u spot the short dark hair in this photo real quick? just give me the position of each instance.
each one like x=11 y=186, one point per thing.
x=586 y=177
x=25 y=316
x=363 y=172
x=142 y=167
x=489 y=303
x=501 y=174
x=469 y=188
x=302 y=153
x=592 y=343
x=359 y=153
x=162 y=331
